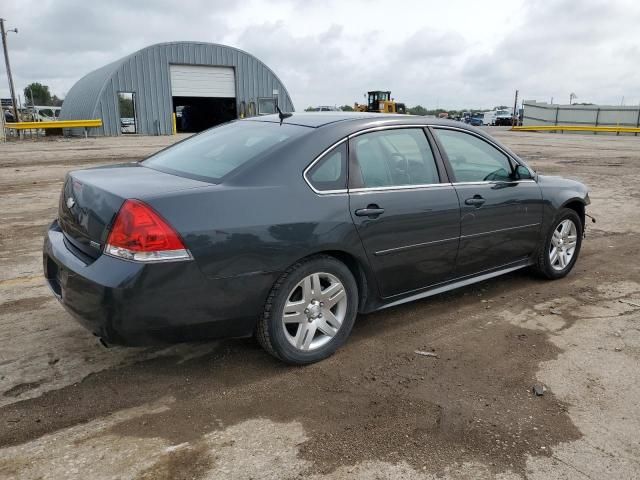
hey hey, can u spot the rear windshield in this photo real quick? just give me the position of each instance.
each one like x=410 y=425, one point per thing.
x=211 y=155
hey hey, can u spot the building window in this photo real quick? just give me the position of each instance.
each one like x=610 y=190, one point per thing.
x=266 y=106
x=126 y=104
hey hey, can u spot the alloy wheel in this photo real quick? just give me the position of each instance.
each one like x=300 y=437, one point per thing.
x=314 y=311
x=563 y=244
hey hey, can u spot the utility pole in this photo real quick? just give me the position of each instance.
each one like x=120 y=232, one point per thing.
x=2 y=134
x=515 y=109
x=6 y=61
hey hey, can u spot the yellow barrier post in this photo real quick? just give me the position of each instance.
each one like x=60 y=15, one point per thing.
x=56 y=124
x=61 y=124
x=173 y=124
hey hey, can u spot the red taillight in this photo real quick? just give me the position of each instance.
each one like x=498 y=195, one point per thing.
x=139 y=233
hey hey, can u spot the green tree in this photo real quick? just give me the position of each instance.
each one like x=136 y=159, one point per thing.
x=56 y=102
x=309 y=109
x=39 y=93
x=346 y=108
x=418 y=110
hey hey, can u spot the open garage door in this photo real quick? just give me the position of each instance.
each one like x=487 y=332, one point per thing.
x=203 y=96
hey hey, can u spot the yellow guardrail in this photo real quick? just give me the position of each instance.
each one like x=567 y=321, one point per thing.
x=576 y=128
x=56 y=124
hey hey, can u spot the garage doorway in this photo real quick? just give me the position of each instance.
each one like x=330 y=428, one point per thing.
x=195 y=114
x=202 y=96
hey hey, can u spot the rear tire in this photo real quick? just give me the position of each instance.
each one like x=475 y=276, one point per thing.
x=561 y=246
x=309 y=312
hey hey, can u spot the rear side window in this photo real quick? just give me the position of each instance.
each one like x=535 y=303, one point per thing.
x=330 y=173
x=473 y=159
x=396 y=157
x=219 y=151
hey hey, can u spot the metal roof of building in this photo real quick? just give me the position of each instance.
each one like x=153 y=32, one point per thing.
x=146 y=72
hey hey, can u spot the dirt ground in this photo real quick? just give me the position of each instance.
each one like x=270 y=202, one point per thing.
x=70 y=409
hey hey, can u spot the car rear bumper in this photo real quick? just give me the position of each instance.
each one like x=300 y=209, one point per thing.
x=131 y=303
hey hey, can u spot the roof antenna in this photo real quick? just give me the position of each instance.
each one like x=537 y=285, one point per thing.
x=282 y=115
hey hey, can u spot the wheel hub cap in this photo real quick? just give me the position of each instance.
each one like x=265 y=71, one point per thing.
x=314 y=311
x=563 y=244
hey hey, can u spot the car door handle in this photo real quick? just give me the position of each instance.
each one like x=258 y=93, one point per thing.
x=476 y=201
x=371 y=211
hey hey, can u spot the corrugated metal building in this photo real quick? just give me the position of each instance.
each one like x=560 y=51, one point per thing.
x=202 y=83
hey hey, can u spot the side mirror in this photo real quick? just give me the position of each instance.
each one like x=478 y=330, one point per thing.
x=522 y=173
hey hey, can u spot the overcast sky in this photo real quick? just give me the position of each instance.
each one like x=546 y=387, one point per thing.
x=447 y=53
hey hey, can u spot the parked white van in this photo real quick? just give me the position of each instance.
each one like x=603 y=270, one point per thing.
x=489 y=118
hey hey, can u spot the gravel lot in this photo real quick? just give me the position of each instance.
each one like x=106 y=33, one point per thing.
x=70 y=409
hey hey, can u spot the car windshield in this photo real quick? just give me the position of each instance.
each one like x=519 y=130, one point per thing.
x=219 y=151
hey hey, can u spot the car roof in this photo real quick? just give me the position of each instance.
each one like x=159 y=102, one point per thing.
x=320 y=119
x=315 y=119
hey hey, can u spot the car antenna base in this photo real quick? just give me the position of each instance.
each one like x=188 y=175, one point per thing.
x=282 y=114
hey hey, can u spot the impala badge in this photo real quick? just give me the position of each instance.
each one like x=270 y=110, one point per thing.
x=70 y=202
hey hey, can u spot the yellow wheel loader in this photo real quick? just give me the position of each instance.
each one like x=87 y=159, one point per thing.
x=381 y=102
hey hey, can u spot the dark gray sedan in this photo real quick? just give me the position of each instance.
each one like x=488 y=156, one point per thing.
x=286 y=229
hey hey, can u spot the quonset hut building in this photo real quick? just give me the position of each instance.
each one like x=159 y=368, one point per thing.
x=203 y=84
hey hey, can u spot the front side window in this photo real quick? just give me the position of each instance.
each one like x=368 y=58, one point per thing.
x=472 y=159
x=211 y=155
x=396 y=157
x=330 y=173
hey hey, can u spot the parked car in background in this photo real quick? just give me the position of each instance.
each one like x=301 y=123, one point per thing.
x=286 y=227
x=127 y=125
x=8 y=116
x=42 y=113
x=477 y=120
x=325 y=108
x=504 y=117
x=489 y=118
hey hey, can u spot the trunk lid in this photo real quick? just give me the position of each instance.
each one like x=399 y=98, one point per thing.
x=91 y=199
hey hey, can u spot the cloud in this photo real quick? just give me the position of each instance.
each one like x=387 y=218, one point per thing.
x=589 y=47
x=59 y=42
x=315 y=64
x=462 y=54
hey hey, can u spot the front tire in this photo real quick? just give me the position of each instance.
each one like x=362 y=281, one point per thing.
x=310 y=311
x=561 y=247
